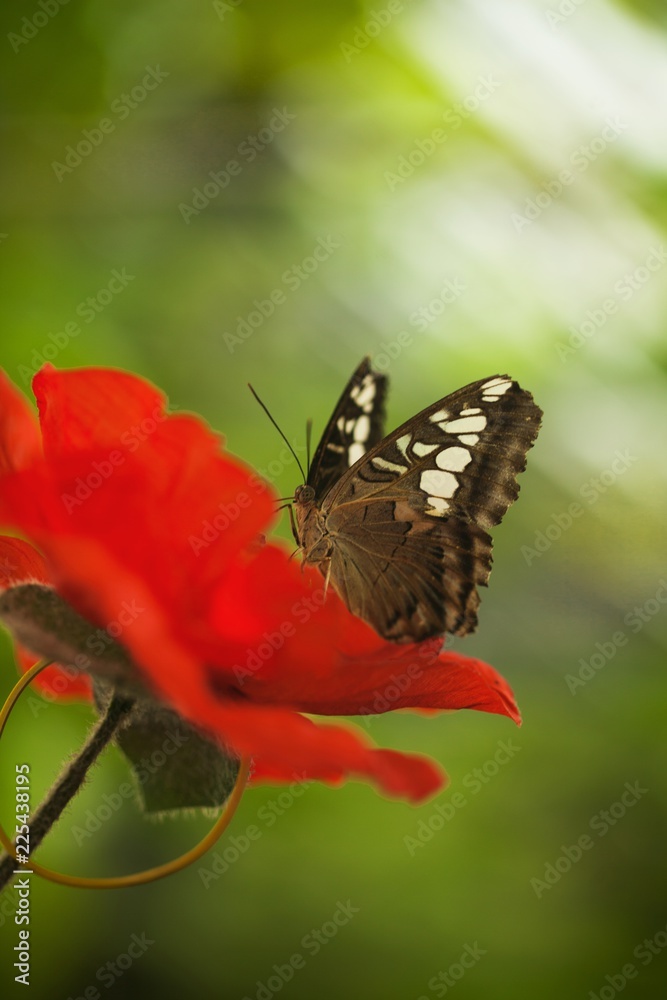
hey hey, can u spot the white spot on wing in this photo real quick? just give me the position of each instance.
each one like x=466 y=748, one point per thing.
x=362 y=429
x=437 y=483
x=402 y=444
x=355 y=452
x=422 y=449
x=435 y=418
x=465 y=425
x=495 y=388
x=453 y=459
x=365 y=394
x=349 y=425
x=468 y=438
x=383 y=463
x=438 y=506
x=470 y=413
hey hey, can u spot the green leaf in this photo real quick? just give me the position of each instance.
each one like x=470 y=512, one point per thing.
x=43 y=622
x=176 y=766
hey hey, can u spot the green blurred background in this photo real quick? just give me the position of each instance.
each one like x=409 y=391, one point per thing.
x=487 y=186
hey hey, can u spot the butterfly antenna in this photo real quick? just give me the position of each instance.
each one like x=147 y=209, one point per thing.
x=279 y=431
x=309 y=428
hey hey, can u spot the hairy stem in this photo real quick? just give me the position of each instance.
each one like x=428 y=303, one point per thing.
x=70 y=781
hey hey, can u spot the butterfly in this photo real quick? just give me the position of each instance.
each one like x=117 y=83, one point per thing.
x=398 y=524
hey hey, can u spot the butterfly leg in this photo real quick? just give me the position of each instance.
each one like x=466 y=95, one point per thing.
x=293 y=524
x=326 y=578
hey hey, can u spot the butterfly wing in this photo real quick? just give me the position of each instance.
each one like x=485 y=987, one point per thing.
x=409 y=577
x=356 y=424
x=408 y=521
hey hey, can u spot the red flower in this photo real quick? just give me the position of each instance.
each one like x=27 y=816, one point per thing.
x=151 y=532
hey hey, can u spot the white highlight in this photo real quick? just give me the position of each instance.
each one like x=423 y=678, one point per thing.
x=438 y=484
x=465 y=425
x=453 y=459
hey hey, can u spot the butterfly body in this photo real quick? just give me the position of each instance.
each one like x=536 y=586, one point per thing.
x=397 y=524
x=312 y=532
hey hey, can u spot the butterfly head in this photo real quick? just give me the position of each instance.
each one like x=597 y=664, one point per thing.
x=304 y=494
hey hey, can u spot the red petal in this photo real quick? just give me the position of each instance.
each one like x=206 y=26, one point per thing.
x=289 y=741
x=94 y=407
x=288 y=625
x=160 y=495
x=20 y=442
x=288 y=745
x=119 y=453
x=316 y=657
x=167 y=511
x=20 y=563
x=418 y=678
x=86 y=574
x=419 y=782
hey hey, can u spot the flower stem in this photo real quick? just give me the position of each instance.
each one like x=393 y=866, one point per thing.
x=71 y=780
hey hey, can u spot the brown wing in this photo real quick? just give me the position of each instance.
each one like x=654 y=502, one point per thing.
x=410 y=577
